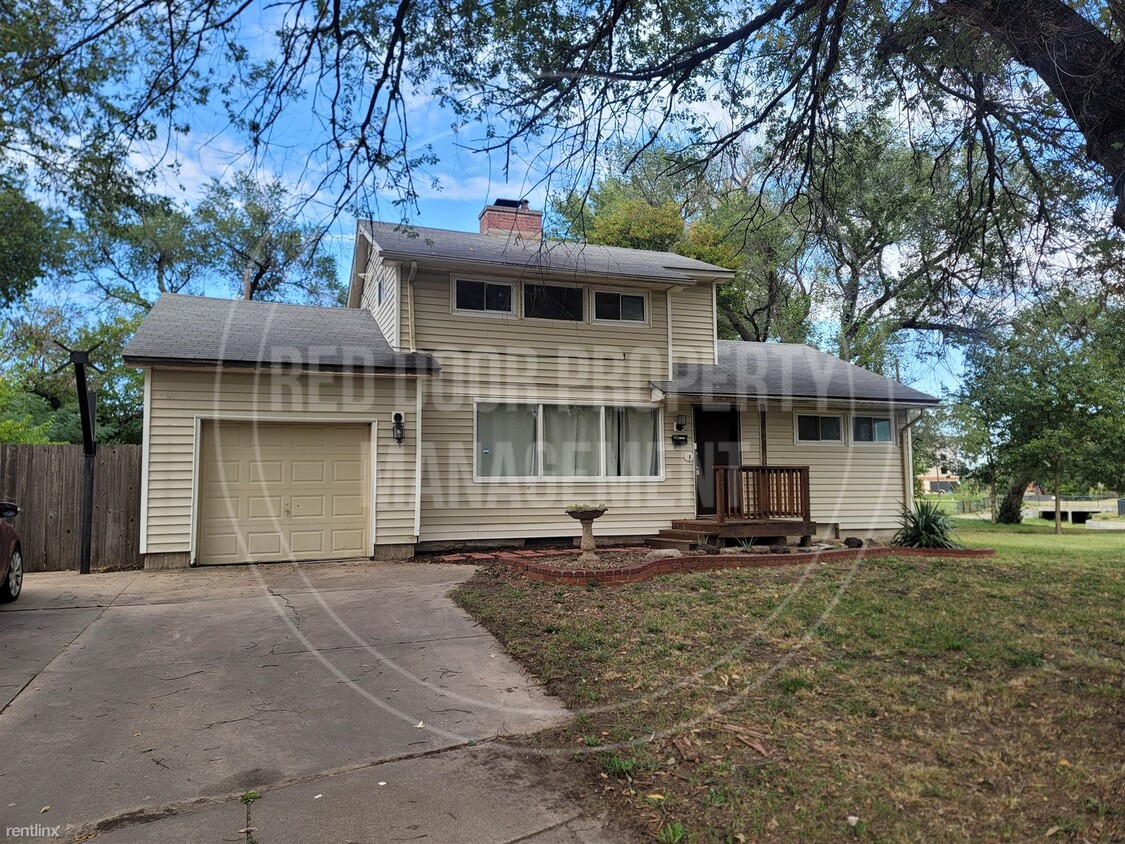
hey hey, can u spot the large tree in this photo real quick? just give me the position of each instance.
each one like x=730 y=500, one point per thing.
x=1031 y=84
x=1047 y=402
x=260 y=247
x=32 y=244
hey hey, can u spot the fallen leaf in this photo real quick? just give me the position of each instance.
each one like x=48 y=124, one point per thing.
x=657 y=798
x=1053 y=830
x=420 y=725
x=749 y=742
x=317 y=796
x=246 y=830
x=382 y=783
x=44 y=810
x=1064 y=763
x=852 y=820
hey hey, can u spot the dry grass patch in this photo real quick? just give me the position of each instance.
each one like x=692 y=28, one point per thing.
x=889 y=700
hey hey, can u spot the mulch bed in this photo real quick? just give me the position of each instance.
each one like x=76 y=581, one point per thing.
x=618 y=565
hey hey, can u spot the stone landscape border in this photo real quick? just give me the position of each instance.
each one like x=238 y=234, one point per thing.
x=647 y=569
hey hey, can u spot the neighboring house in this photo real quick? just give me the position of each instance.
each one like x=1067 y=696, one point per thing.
x=477 y=385
x=940 y=478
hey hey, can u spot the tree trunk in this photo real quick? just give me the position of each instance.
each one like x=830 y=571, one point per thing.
x=992 y=494
x=1058 y=504
x=1011 y=508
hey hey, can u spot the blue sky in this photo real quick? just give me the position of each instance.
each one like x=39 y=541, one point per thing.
x=451 y=193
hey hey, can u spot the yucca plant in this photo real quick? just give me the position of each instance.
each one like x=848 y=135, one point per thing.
x=926 y=526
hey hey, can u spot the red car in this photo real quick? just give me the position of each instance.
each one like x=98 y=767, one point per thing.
x=11 y=559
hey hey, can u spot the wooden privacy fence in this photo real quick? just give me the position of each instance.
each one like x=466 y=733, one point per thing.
x=46 y=482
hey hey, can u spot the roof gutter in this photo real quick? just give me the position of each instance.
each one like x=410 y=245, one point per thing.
x=428 y=366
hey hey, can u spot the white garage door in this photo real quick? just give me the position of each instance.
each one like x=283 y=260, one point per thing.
x=278 y=491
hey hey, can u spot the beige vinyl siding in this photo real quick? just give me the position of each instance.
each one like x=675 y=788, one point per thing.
x=857 y=485
x=455 y=507
x=178 y=397
x=693 y=324
x=387 y=314
x=502 y=358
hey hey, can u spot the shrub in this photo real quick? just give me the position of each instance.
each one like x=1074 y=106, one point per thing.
x=926 y=526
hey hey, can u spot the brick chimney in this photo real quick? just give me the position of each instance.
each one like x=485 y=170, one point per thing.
x=505 y=217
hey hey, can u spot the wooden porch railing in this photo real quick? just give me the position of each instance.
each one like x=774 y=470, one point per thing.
x=762 y=493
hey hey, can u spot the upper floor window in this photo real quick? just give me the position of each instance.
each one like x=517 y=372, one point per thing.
x=871 y=429
x=485 y=296
x=379 y=290
x=626 y=307
x=549 y=301
x=819 y=429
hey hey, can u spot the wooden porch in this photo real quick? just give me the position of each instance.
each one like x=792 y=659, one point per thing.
x=750 y=502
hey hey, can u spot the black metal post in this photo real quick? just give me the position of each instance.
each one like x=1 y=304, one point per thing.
x=87 y=414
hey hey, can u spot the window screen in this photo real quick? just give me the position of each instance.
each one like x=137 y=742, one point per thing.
x=483 y=296
x=545 y=301
x=871 y=429
x=818 y=428
x=619 y=306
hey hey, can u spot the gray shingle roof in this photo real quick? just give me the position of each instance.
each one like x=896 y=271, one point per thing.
x=196 y=330
x=554 y=257
x=786 y=370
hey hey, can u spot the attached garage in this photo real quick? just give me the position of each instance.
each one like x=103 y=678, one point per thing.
x=283 y=491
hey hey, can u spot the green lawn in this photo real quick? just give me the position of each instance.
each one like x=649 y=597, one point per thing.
x=889 y=700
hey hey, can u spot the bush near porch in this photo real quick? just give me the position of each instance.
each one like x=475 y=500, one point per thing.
x=891 y=699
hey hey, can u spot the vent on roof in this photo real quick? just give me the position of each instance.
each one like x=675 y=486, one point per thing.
x=506 y=217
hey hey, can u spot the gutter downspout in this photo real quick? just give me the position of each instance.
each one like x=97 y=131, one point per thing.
x=418 y=384
x=410 y=306
x=908 y=459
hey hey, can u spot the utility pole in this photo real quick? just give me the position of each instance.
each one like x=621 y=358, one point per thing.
x=87 y=414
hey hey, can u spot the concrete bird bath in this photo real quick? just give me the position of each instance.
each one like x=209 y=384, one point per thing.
x=586 y=513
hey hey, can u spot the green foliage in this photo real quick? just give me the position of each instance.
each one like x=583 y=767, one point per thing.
x=264 y=251
x=44 y=398
x=925 y=526
x=131 y=253
x=1046 y=402
x=31 y=244
x=618 y=766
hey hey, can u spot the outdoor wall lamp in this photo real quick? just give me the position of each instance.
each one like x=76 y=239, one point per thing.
x=398 y=427
x=681 y=422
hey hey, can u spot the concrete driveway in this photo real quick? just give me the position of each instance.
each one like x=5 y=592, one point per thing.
x=356 y=698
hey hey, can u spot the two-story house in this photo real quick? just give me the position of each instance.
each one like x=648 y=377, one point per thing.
x=476 y=386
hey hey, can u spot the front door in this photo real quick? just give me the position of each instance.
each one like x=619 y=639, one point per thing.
x=716 y=444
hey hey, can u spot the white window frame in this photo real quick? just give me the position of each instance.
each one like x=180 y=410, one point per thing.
x=844 y=430
x=641 y=294
x=517 y=297
x=554 y=479
x=871 y=415
x=586 y=302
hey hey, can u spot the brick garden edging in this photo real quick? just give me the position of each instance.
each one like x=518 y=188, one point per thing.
x=646 y=569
